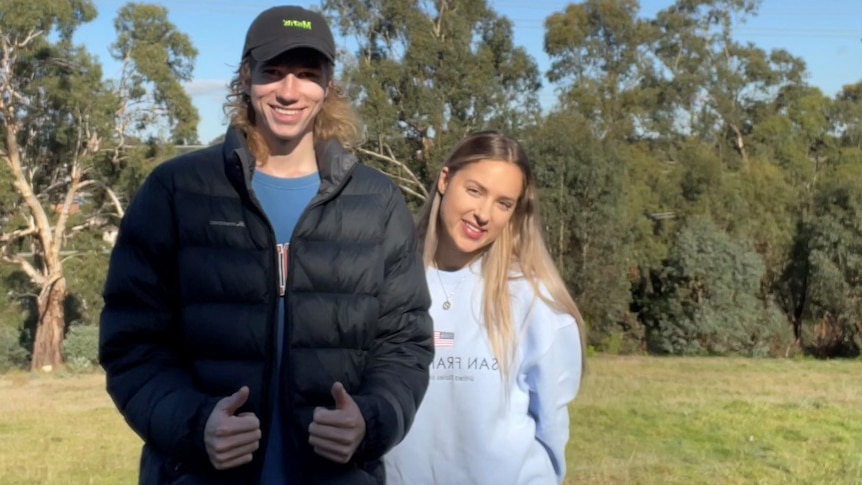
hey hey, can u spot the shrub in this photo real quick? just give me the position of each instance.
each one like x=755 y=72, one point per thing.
x=12 y=354
x=81 y=347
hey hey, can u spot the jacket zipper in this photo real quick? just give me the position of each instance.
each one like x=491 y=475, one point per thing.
x=288 y=320
x=286 y=389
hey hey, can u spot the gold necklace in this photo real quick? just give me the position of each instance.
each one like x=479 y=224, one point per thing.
x=448 y=303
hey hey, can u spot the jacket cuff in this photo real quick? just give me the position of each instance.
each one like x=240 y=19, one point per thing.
x=375 y=444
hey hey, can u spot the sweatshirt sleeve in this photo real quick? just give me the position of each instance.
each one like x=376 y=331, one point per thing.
x=138 y=331
x=396 y=374
x=553 y=377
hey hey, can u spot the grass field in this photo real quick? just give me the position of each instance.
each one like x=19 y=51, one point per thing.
x=638 y=420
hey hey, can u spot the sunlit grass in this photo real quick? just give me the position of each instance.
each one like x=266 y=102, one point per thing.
x=57 y=430
x=731 y=421
x=638 y=420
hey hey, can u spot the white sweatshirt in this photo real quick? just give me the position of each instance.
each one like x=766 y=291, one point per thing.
x=467 y=431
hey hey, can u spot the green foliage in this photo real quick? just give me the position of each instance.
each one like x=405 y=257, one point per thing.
x=848 y=112
x=582 y=211
x=157 y=59
x=697 y=194
x=71 y=131
x=822 y=285
x=706 y=302
x=81 y=348
x=596 y=50
x=12 y=354
x=18 y=17
x=427 y=73
x=86 y=271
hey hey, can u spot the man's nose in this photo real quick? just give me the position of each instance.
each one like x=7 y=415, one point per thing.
x=287 y=88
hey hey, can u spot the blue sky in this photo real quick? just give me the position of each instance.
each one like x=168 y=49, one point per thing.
x=827 y=34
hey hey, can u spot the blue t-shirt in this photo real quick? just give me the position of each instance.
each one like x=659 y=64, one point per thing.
x=283 y=200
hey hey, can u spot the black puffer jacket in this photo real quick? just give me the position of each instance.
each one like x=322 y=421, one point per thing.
x=191 y=306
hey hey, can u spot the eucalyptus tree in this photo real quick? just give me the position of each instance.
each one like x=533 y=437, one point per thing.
x=62 y=124
x=424 y=74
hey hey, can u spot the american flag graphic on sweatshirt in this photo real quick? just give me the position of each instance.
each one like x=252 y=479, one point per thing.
x=444 y=339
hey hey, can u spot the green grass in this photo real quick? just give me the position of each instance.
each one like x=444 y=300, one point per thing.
x=730 y=421
x=57 y=430
x=638 y=420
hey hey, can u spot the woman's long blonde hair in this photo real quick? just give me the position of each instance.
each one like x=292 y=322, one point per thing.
x=520 y=246
x=336 y=120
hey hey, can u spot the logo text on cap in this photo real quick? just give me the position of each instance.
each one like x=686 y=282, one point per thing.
x=299 y=24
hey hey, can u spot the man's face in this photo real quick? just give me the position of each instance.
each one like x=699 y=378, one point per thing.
x=287 y=93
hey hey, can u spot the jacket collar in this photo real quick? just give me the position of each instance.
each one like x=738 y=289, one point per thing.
x=333 y=161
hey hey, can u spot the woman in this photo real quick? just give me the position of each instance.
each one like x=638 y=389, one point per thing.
x=507 y=333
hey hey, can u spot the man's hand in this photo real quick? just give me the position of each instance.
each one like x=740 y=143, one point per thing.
x=336 y=433
x=230 y=440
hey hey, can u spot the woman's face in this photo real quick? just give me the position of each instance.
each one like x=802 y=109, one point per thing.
x=477 y=203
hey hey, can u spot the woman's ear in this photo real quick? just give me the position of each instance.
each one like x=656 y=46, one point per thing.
x=443 y=181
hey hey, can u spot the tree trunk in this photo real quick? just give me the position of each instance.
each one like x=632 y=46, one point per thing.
x=47 y=348
x=739 y=144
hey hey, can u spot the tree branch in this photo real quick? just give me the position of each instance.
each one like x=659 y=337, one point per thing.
x=118 y=206
x=391 y=159
x=739 y=143
x=402 y=180
x=21 y=184
x=7 y=239
x=35 y=276
x=71 y=192
x=30 y=36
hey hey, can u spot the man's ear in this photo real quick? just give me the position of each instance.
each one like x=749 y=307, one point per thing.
x=443 y=181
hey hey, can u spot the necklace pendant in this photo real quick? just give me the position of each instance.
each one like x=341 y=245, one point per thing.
x=447 y=305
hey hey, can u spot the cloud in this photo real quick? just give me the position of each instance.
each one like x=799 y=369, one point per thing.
x=206 y=87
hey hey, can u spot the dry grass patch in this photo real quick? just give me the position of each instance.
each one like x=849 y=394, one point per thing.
x=63 y=431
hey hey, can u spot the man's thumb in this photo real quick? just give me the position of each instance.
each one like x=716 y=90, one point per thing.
x=232 y=403
x=342 y=398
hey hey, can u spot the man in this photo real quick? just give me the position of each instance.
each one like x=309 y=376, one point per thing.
x=266 y=307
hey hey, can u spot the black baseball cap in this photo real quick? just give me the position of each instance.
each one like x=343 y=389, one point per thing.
x=280 y=29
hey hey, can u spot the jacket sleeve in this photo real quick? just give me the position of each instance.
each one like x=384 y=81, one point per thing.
x=138 y=336
x=396 y=374
x=553 y=377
